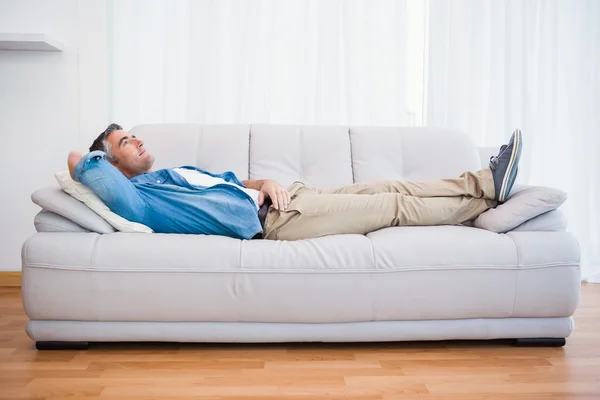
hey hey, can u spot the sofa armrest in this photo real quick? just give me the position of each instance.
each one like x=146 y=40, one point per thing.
x=525 y=203
x=55 y=200
x=551 y=221
x=47 y=221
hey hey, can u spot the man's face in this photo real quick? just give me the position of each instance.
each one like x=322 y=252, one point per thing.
x=131 y=156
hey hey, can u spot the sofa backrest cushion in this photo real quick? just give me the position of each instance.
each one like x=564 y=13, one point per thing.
x=317 y=156
x=413 y=154
x=320 y=156
x=215 y=148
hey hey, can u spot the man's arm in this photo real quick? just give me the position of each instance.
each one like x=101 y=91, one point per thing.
x=108 y=183
x=254 y=184
x=269 y=188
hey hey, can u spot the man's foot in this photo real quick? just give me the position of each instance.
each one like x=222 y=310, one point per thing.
x=505 y=165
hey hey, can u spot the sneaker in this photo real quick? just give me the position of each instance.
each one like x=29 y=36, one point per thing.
x=501 y=150
x=505 y=165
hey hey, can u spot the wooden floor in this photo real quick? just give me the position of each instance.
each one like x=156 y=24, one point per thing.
x=448 y=370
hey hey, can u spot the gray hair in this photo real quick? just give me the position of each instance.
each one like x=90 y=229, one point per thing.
x=108 y=150
x=102 y=143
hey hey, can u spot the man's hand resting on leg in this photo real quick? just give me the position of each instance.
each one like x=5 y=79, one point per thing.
x=270 y=189
x=278 y=194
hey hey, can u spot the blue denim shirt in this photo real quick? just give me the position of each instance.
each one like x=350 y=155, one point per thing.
x=167 y=203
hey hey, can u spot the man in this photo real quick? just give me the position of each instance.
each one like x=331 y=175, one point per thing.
x=118 y=169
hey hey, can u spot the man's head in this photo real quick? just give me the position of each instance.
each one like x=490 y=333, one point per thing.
x=124 y=151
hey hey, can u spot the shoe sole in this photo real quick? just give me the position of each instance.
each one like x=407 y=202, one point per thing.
x=510 y=173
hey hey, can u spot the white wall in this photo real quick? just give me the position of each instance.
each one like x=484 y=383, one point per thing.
x=50 y=103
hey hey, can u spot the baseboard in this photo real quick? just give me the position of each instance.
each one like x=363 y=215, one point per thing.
x=594 y=279
x=10 y=278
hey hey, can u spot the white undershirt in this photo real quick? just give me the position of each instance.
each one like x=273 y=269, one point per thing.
x=197 y=178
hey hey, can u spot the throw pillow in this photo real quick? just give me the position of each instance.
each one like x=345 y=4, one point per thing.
x=56 y=200
x=85 y=195
x=524 y=203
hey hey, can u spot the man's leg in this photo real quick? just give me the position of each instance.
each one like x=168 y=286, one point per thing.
x=474 y=184
x=312 y=215
x=445 y=202
x=493 y=183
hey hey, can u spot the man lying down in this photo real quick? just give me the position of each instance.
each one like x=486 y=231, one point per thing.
x=189 y=200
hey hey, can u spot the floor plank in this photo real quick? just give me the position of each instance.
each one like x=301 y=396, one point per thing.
x=10 y=278
x=371 y=371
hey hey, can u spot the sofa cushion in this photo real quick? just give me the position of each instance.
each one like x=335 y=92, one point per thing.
x=401 y=273
x=215 y=148
x=524 y=203
x=552 y=221
x=89 y=198
x=317 y=156
x=47 y=221
x=518 y=274
x=445 y=268
x=549 y=274
x=55 y=200
x=410 y=154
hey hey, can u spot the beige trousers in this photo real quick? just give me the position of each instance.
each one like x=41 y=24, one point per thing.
x=361 y=208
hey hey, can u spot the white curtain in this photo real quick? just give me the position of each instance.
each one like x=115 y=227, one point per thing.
x=498 y=65
x=484 y=66
x=259 y=61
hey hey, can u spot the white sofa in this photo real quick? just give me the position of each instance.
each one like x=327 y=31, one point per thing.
x=83 y=282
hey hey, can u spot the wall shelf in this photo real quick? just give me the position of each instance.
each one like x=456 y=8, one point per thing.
x=29 y=42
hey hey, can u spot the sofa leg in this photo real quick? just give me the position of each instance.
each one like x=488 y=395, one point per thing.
x=540 y=342
x=61 y=345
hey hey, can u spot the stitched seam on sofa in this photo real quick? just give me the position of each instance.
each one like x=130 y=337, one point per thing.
x=94 y=248
x=372 y=285
x=301 y=153
x=316 y=271
x=249 y=147
x=197 y=143
x=240 y=254
x=402 y=158
x=518 y=275
x=373 y=252
x=351 y=156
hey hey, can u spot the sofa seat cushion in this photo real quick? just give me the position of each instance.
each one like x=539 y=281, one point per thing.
x=476 y=273
x=427 y=273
